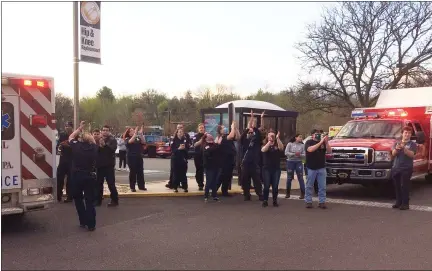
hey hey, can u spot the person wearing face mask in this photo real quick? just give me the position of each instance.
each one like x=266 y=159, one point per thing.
x=316 y=149
x=170 y=182
x=272 y=153
x=251 y=146
x=228 y=155
x=212 y=164
x=403 y=153
x=180 y=148
x=106 y=166
x=134 y=139
x=198 y=157
x=295 y=153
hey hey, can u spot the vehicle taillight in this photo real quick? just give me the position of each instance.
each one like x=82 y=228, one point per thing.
x=39 y=121
x=28 y=83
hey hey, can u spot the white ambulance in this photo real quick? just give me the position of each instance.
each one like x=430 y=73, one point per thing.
x=28 y=180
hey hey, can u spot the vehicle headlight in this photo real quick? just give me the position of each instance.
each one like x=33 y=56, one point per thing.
x=382 y=156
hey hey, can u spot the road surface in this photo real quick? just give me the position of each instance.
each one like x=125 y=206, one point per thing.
x=185 y=234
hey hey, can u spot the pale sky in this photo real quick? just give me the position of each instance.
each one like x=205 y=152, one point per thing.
x=170 y=47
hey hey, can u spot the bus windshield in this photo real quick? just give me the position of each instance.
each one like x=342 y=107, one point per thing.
x=371 y=129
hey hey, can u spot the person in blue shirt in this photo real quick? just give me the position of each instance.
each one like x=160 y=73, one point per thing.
x=84 y=155
x=134 y=139
x=403 y=153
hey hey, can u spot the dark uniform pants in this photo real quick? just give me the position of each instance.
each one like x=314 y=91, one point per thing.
x=199 y=166
x=401 y=181
x=84 y=182
x=108 y=174
x=64 y=170
x=248 y=172
x=179 y=174
x=136 y=172
x=226 y=176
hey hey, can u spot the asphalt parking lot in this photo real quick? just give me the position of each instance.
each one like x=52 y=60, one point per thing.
x=186 y=233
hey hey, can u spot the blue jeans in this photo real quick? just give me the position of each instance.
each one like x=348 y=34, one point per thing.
x=297 y=167
x=271 y=177
x=321 y=176
x=212 y=177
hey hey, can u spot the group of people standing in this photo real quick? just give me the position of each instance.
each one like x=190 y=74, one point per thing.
x=213 y=156
x=87 y=160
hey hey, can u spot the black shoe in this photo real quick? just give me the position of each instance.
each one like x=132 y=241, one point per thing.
x=302 y=195
x=67 y=200
x=175 y=190
x=201 y=188
x=287 y=196
x=216 y=199
x=322 y=206
x=309 y=205
x=168 y=186
x=404 y=207
x=186 y=191
x=265 y=204
x=275 y=204
x=92 y=229
x=113 y=204
x=143 y=189
x=396 y=206
x=133 y=190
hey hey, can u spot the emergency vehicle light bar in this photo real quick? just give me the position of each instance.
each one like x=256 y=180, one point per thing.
x=30 y=83
x=360 y=113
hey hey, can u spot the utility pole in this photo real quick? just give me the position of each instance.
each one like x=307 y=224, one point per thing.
x=76 y=64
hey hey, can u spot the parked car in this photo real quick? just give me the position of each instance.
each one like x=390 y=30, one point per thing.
x=164 y=151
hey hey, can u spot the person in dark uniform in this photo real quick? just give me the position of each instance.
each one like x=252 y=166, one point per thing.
x=228 y=152
x=272 y=153
x=403 y=152
x=179 y=150
x=106 y=167
x=212 y=164
x=84 y=155
x=134 y=141
x=251 y=145
x=65 y=163
x=170 y=182
x=198 y=156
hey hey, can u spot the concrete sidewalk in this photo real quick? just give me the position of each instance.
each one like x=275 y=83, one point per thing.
x=158 y=189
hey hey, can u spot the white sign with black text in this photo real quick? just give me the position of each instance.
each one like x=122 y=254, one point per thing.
x=90 y=29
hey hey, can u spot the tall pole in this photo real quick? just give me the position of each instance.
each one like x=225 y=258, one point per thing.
x=76 y=64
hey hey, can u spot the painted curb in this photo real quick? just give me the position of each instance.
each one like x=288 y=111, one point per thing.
x=168 y=194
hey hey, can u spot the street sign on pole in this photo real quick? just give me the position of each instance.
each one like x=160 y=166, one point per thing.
x=90 y=23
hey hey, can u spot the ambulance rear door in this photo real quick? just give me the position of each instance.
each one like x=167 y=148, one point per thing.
x=11 y=143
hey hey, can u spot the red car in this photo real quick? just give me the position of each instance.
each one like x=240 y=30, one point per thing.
x=164 y=151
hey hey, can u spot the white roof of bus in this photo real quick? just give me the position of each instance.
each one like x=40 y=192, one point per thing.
x=405 y=97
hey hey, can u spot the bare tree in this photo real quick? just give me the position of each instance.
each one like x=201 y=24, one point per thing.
x=365 y=47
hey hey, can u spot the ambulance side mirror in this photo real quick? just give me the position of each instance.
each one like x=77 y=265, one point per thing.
x=420 y=137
